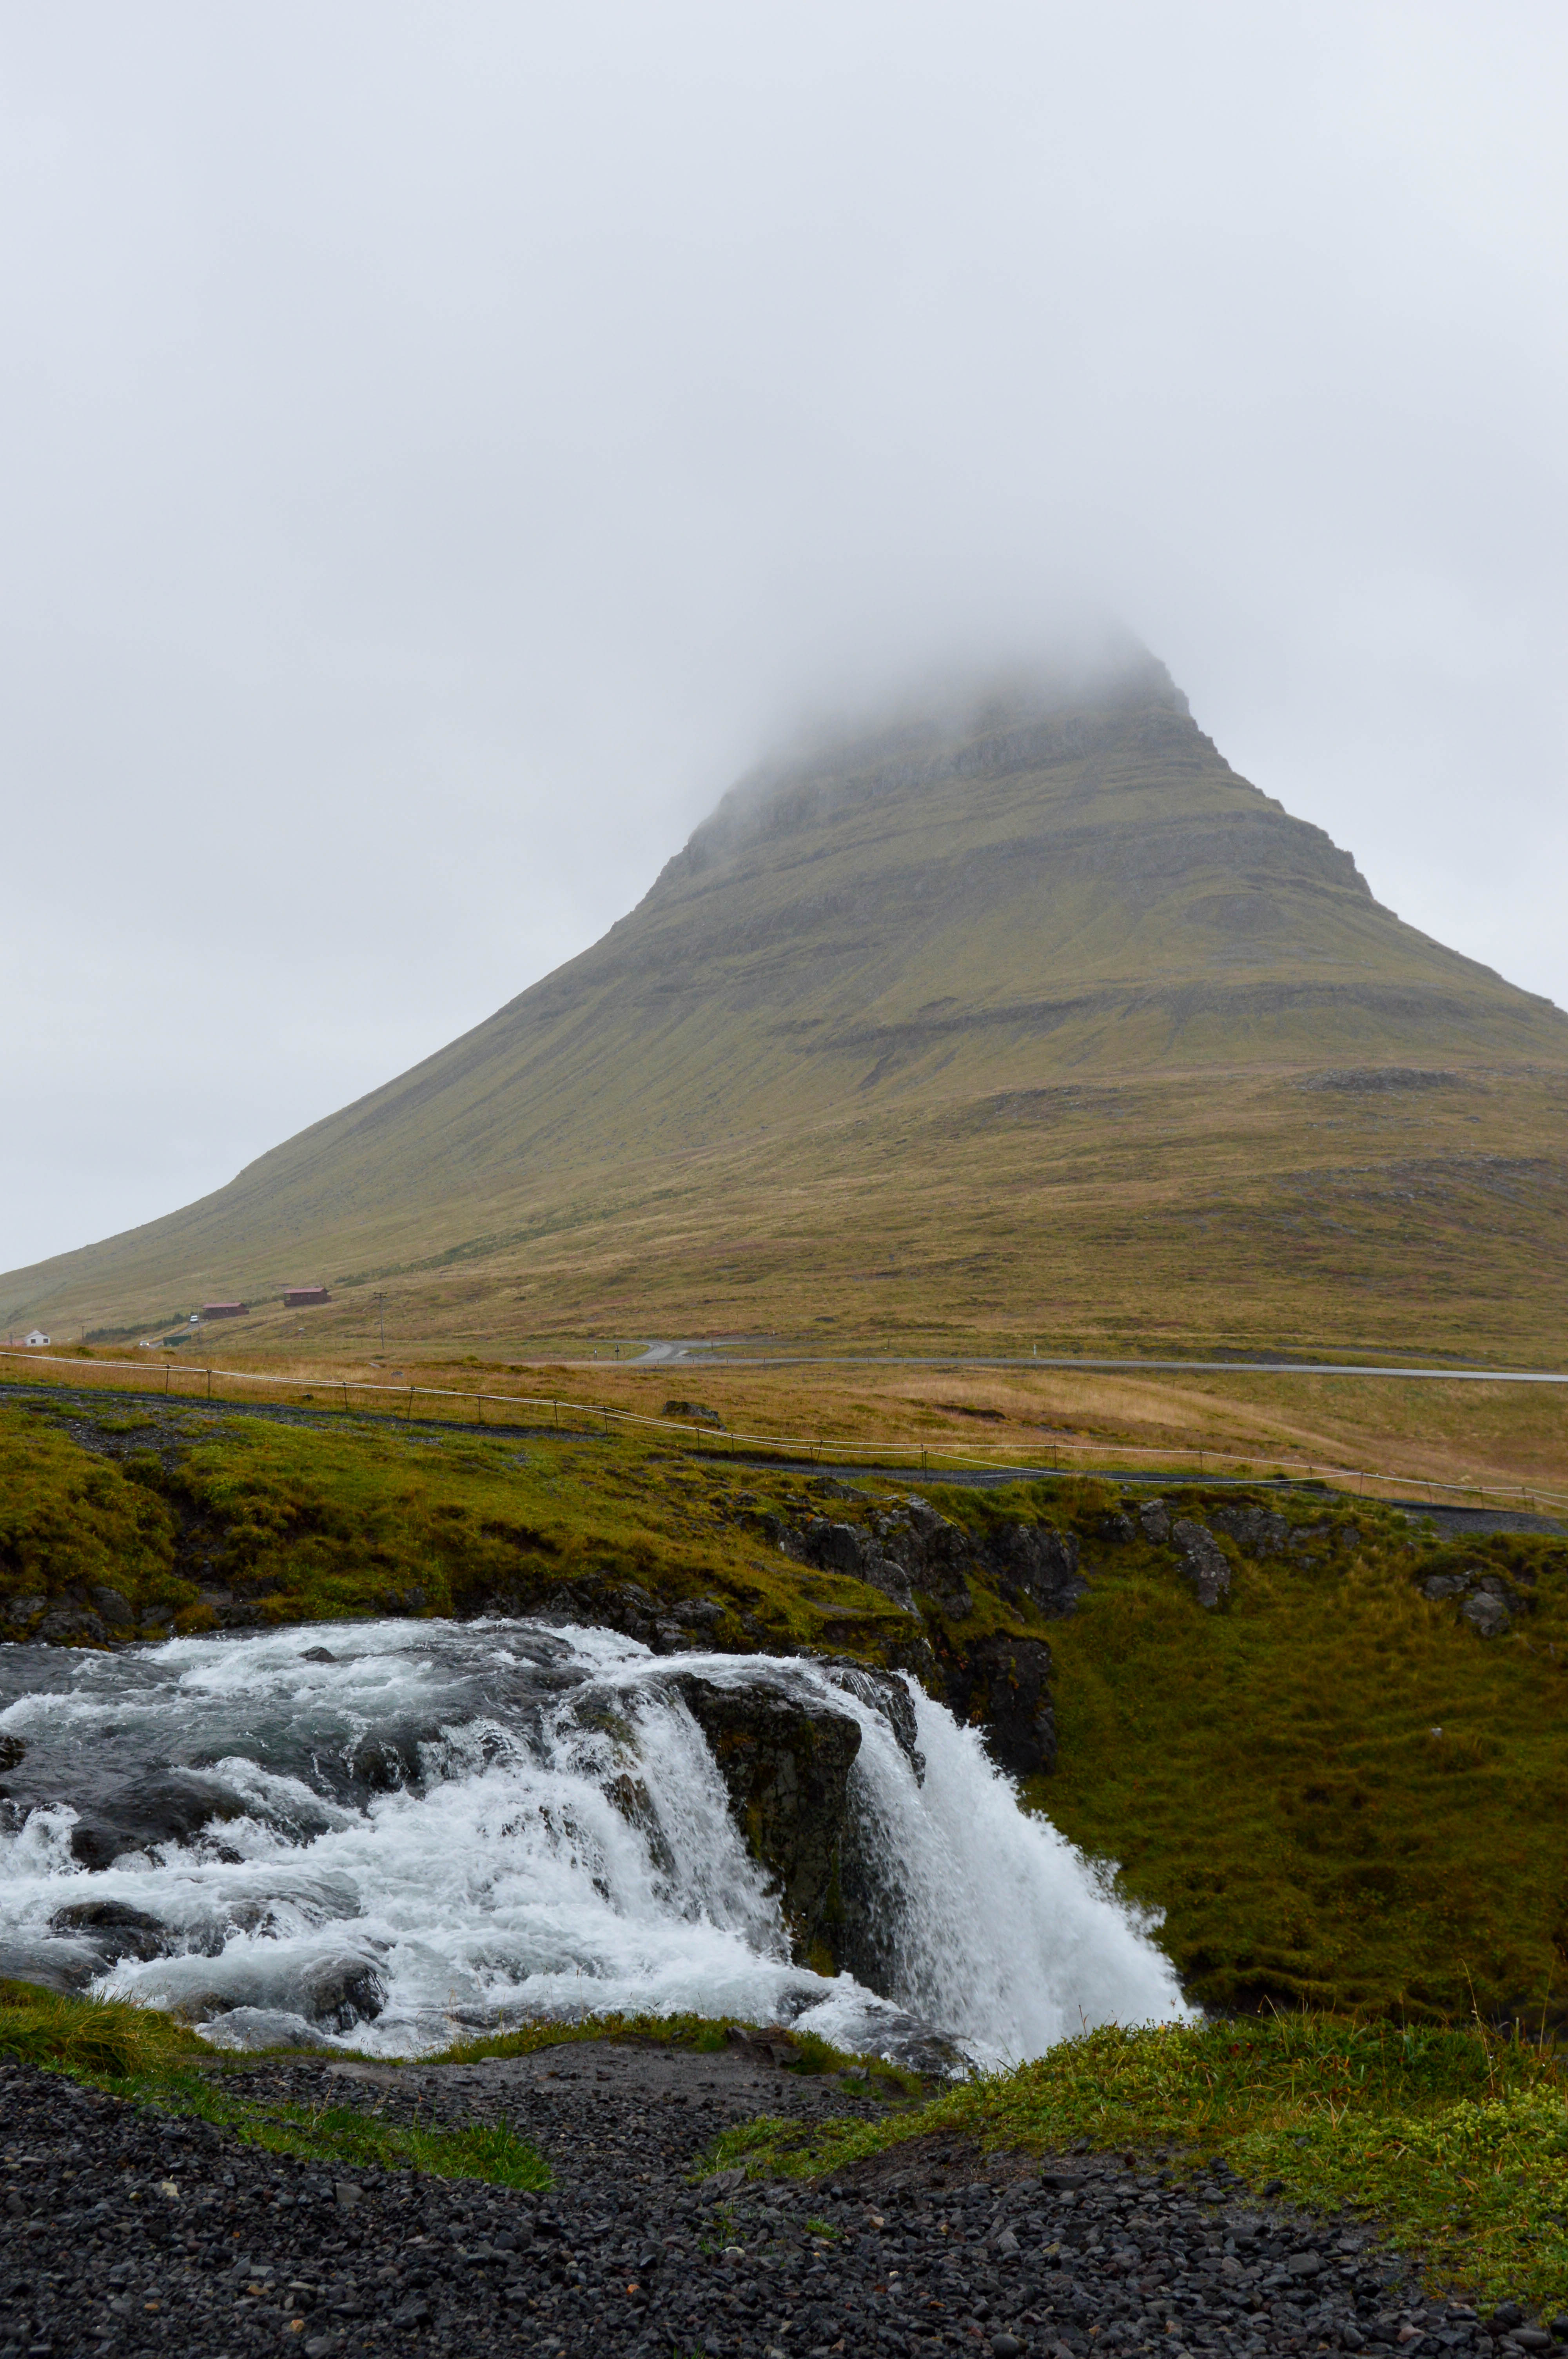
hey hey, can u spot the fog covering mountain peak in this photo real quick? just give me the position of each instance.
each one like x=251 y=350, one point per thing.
x=998 y=890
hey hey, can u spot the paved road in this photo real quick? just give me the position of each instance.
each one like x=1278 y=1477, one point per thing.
x=714 y=1355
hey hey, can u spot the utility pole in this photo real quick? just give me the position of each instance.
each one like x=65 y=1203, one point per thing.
x=379 y=1302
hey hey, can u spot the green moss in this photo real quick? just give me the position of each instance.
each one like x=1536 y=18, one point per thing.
x=1336 y=1792
x=491 y=2151
x=69 y=1519
x=102 y=2038
x=304 y=1523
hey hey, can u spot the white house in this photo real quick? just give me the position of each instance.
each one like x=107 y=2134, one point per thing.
x=35 y=1337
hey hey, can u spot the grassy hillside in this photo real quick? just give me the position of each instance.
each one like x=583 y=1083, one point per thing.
x=1032 y=1019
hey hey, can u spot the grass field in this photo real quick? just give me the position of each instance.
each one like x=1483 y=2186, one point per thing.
x=1400 y=1434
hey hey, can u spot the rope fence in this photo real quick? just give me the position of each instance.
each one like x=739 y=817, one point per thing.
x=817 y=1449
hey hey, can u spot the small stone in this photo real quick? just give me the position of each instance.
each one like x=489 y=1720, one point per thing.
x=1533 y=2338
x=412 y=2312
x=1486 y=1615
x=1006 y=2346
x=345 y=2192
x=1304 y=2265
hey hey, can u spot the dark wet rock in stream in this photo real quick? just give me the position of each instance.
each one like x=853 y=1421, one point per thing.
x=114 y=1928
x=170 y=1807
x=785 y=1765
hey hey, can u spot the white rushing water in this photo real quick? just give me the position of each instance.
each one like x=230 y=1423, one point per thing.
x=450 y=1828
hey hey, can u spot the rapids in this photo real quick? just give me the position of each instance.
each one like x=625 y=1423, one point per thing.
x=392 y=1835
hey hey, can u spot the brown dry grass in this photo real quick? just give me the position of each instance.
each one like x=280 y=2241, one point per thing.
x=1401 y=1433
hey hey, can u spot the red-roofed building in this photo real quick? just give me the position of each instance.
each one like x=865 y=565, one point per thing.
x=224 y=1309
x=300 y=1298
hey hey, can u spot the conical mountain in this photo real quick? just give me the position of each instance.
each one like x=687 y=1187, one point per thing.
x=1019 y=1013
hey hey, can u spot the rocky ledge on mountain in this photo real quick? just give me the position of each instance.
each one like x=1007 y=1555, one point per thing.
x=908 y=1550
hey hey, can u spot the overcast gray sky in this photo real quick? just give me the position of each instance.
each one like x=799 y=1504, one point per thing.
x=441 y=445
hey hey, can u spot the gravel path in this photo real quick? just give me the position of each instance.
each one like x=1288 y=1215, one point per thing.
x=128 y=2231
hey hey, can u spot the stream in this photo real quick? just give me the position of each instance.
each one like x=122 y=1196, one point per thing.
x=392 y=1835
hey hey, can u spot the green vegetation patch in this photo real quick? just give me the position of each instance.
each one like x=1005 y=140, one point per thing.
x=100 y=2039
x=147 y=2059
x=200 y=1521
x=1456 y=2143
x=1337 y=1792
x=488 y=2150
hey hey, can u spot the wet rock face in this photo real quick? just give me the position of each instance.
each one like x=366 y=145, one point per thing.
x=839 y=1547
x=115 y=1930
x=1003 y=1684
x=785 y=1765
x=887 y=1693
x=999 y=1682
x=1155 y=1518
x=73 y=1626
x=910 y=1548
x=170 y=1809
x=935 y=1556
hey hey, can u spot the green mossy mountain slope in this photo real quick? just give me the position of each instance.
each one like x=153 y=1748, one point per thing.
x=981 y=1019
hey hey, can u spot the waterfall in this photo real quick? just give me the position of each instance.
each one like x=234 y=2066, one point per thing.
x=392 y=1835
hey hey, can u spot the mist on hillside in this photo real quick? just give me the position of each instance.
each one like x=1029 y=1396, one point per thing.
x=450 y=451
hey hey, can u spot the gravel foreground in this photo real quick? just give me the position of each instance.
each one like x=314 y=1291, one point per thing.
x=126 y=2229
